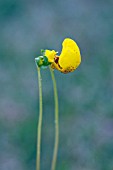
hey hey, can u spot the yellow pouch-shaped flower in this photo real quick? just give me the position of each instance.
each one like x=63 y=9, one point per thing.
x=69 y=58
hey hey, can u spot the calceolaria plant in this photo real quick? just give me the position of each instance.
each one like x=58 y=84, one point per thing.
x=66 y=62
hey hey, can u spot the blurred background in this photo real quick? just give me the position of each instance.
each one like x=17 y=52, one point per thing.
x=85 y=96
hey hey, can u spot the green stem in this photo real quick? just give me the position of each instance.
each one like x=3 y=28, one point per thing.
x=39 y=127
x=53 y=166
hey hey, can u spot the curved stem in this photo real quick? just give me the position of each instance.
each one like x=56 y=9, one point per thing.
x=53 y=166
x=39 y=127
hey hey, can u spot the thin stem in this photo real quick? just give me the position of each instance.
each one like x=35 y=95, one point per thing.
x=53 y=166
x=39 y=127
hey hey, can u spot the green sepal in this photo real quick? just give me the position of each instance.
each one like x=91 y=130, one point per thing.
x=43 y=52
x=42 y=61
x=46 y=62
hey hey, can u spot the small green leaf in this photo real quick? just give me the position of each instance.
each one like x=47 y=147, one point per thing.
x=43 y=52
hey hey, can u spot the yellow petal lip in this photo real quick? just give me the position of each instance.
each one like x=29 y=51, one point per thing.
x=50 y=54
x=70 y=57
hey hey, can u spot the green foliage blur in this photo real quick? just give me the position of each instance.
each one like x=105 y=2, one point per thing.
x=85 y=96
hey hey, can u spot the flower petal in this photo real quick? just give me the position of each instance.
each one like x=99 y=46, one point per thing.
x=50 y=54
x=70 y=57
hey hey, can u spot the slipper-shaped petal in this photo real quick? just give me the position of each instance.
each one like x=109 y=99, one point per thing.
x=70 y=57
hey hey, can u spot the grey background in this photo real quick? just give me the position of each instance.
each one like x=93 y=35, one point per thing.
x=85 y=96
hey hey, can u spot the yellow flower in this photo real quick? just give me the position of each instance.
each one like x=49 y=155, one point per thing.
x=69 y=58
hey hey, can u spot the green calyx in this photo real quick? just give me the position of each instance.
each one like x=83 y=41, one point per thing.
x=42 y=61
x=43 y=52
